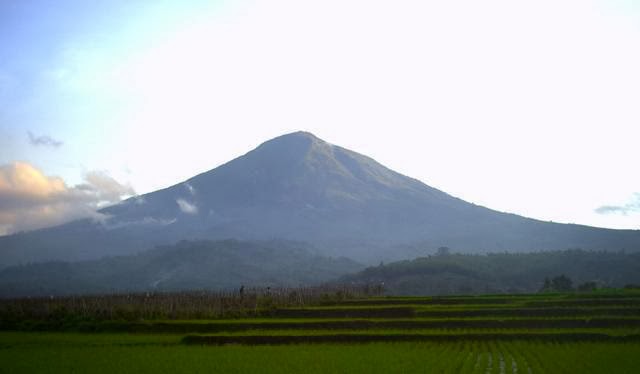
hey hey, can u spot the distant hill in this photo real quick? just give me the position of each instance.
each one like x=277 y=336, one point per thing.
x=500 y=272
x=187 y=265
x=299 y=187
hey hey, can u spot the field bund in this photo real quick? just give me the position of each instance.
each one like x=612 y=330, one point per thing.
x=555 y=318
x=543 y=333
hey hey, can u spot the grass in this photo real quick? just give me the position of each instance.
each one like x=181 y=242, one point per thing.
x=229 y=326
x=11 y=340
x=442 y=331
x=64 y=353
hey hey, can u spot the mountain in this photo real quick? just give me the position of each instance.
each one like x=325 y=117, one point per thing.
x=501 y=272
x=299 y=187
x=187 y=265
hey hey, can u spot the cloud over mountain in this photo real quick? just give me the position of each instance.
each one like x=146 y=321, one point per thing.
x=633 y=206
x=29 y=199
x=294 y=187
x=45 y=140
x=187 y=207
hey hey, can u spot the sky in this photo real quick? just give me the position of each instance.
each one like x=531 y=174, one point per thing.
x=529 y=107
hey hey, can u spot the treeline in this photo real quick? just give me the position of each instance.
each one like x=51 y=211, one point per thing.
x=186 y=265
x=243 y=302
x=447 y=273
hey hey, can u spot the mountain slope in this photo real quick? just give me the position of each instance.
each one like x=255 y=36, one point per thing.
x=299 y=187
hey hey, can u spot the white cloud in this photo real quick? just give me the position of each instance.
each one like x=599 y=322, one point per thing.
x=190 y=188
x=146 y=221
x=44 y=140
x=632 y=206
x=30 y=200
x=187 y=207
x=104 y=188
x=139 y=200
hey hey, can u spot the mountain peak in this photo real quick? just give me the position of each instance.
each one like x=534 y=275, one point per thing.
x=300 y=134
x=299 y=187
x=292 y=149
x=298 y=139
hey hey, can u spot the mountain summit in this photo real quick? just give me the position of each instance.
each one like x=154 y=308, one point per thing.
x=299 y=187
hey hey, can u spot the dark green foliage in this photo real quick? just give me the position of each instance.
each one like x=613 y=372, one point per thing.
x=394 y=338
x=560 y=283
x=74 y=310
x=554 y=271
x=319 y=308
x=187 y=265
x=587 y=287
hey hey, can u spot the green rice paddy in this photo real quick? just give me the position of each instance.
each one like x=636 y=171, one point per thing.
x=570 y=333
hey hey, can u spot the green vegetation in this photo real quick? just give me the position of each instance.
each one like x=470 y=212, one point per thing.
x=34 y=353
x=495 y=273
x=183 y=305
x=222 y=265
x=597 y=332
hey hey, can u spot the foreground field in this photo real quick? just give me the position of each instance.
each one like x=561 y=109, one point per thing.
x=570 y=333
x=107 y=353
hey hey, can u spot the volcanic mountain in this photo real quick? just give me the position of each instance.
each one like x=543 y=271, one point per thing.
x=299 y=187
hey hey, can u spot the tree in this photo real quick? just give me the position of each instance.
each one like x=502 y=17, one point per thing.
x=562 y=283
x=547 y=286
x=443 y=251
x=587 y=287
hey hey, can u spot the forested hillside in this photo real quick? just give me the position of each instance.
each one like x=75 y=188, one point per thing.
x=187 y=265
x=447 y=273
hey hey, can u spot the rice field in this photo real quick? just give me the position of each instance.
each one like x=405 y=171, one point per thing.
x=123 y=353
x=570 y=333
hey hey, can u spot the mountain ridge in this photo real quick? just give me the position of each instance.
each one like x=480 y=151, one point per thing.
x=299 y=187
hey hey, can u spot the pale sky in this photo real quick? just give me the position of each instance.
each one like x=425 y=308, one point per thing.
x=529 y=107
